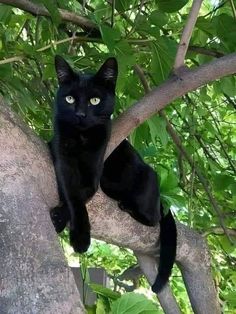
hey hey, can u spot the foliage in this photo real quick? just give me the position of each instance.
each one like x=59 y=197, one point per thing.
x=146 y=35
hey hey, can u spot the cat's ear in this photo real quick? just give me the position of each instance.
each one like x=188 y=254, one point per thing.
x=108 y=71
x=63 y=70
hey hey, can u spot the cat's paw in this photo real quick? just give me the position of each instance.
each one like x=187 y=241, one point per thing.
x=58 y=218
x=124 y=208
x=80 y=241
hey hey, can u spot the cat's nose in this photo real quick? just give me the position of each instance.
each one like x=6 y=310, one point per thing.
x=80 y=114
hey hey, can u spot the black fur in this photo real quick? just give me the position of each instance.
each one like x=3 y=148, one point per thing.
x=81 y=133
x=134 y=184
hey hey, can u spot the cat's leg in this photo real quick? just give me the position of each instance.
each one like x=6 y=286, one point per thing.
x=60 y=216
x=79 y=227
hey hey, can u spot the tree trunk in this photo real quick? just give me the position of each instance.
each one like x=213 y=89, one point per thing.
x=34 y=277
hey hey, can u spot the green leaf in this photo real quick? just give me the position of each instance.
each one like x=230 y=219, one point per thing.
x=168 y=182
x=52 y=8
x=228 y=86
x=227 y=246
x=157 y=127
x=226 y=28
x=158 y=18
x=171 y=5
x=163 y=54
x=106 y=292
x=133 y=303
x=5 y=13
x=110 y=36
x=100 y=307
x=222 y=181
x=123 y=5
x=102 y=11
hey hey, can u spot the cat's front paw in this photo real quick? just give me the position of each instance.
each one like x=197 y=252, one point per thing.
x=58 y=218
x=80 y=241
x=124 y=208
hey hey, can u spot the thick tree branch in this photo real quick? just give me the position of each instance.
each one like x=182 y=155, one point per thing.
x=34 y=277
x=186 y=35
x=38 y=9
x=168 y=91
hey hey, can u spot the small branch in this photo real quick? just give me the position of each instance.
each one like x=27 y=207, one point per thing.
x=186 y=35
x=220 y=231
x=205 y=51
x=137 y=18
x=13 y=59
x=139 y=71
x=216 y=8
x=38 y=9
x=112 y=12
x=72 y=39
x=230 y=101
x=233 y=8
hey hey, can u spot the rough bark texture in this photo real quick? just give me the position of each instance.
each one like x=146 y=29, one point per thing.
x=34 y=278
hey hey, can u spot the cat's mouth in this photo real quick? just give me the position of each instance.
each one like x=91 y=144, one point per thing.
x=83 y=123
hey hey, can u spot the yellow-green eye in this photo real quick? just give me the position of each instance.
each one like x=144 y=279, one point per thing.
x=70 y=99
x=94 y=101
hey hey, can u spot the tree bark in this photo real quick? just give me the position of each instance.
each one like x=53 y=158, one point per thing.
x=34 y=277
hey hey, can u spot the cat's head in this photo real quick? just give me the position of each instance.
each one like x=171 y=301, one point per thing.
x=85 y=100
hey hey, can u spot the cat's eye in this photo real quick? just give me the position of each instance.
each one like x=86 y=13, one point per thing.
x=70 y=99
x=94 y=101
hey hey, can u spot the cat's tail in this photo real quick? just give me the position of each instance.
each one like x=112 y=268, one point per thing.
x=168 y=243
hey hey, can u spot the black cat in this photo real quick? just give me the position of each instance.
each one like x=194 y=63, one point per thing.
x=82 y=125
x=134 y=184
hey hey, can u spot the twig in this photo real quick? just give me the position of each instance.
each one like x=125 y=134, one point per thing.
x=205 y=51
x=13 y=59
x=186 y=35
x=216 y=8
x=71 y=39
x=230 y=101
x=137 y=17
x=38 y=9
x=220 y=231
x=113 y=4
x=233 y=8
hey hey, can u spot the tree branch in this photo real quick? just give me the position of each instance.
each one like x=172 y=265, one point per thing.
x=34 y=277
x=186 y=35
x=207 y=52
x=38 y=9
x=167 y=92
x=220 y=231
